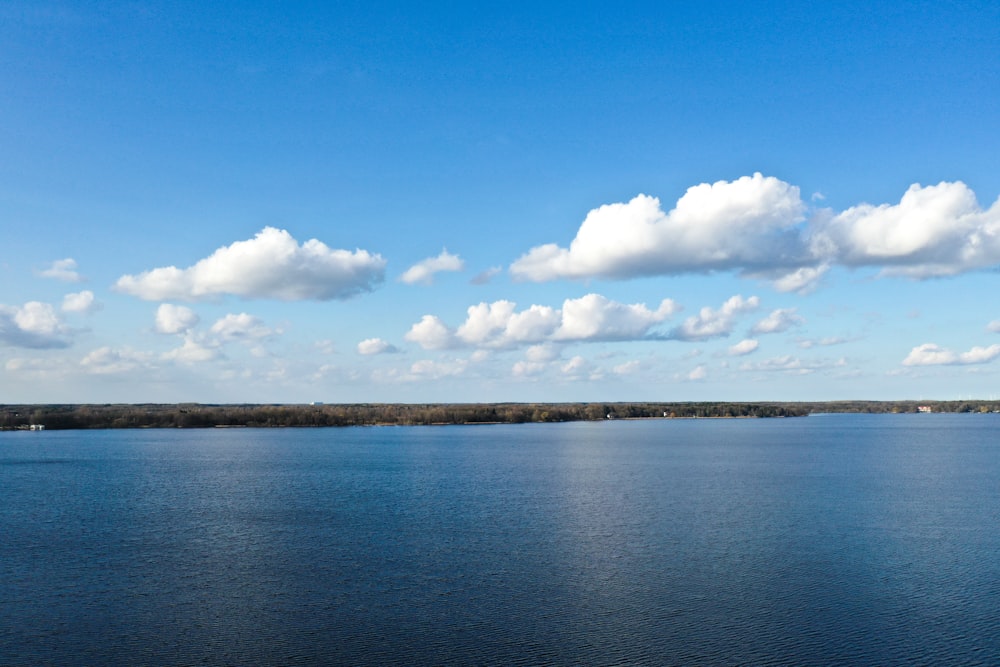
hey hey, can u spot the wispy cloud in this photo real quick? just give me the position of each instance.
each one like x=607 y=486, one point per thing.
x=697 y=374
x=486 y=276
x=423 y=272
x=779 y=320
x=64 y=270
x=113 y=361
x=930 y=354
x=792 y=365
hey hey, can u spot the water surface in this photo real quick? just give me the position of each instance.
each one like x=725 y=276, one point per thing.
x=836 y=539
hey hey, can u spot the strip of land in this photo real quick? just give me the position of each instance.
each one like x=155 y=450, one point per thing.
x=198 y=415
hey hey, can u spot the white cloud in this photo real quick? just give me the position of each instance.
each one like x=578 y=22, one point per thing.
x=527 y=368
x=779 y=320
x=64 y=270
x=80 y=302
x=499 y=324
x=627 y=368
x=371 y=346
x=791 y=365
x=803 y=280
x=241 y=327
x=171 y=319
x=486 y=321
x=431 y=334
x=110 y=361
x=937 y=230
x=994 y=326
x=543 y=353
x=594 y=317
x=271 y=265
x=719 y=323
x=807 y=343
x=758 y=227
x=930 y=354
x=47 y=368
x=423 y=271
x=744 y=224
x=326 y=346
x=575 y=366
x=743 y=348
x=33 y=325
x=430 y=369
x=194 y=350
x=699 y=373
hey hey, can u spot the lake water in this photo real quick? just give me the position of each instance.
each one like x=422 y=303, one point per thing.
x=826 y=540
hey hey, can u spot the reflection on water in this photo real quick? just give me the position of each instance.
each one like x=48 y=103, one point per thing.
x=825 y=540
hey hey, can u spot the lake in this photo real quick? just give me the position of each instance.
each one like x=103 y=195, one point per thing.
x=825 y=540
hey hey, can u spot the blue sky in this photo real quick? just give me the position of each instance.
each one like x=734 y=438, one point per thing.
x=342 y=202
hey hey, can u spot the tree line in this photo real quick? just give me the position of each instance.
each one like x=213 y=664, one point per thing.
x=196 y=415
x=191 y=415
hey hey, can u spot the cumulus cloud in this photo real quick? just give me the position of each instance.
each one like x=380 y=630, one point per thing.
x=423 y=272
x=34 y=325
x=270 y=265
x=743 y=348
x=194 y=350
x=759 y=227
x=431 y=333
x=719 y=323
x=994 y=326
x=171 y=319
x=80 y=302
x=930 y=354
x=64 y=270
x=594 y=317
x=744 y=224
x=500 y=325
x=241 y=327
x=371 y=346
x=937 y=230
x=778 y=321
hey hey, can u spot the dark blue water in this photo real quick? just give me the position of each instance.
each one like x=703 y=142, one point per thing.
x=825 y=540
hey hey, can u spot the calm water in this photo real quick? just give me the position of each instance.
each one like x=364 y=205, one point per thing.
x=841 y=539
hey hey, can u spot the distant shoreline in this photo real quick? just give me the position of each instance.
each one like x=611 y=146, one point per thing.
x=198 y=415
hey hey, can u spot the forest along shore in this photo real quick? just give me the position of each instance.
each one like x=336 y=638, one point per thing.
x=198 y=415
